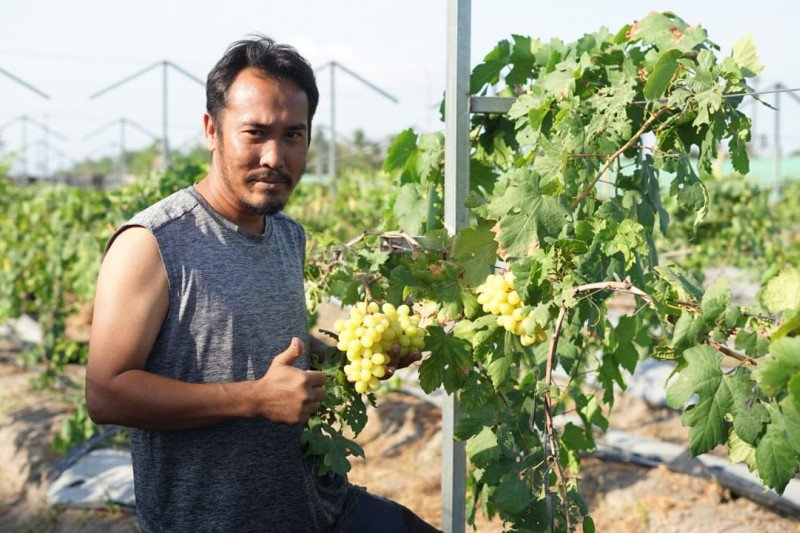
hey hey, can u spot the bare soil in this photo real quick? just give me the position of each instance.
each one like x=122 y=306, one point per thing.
x=402 y=442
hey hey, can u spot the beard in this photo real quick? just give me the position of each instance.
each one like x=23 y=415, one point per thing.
x=273 y=204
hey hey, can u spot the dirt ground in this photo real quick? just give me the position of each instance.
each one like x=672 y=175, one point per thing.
x=402 y=442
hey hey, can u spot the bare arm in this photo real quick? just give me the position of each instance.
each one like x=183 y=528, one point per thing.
x=131 y=303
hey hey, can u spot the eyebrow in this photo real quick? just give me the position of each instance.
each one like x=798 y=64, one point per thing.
x=299 y=126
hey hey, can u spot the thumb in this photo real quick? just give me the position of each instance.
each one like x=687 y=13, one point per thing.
x=291 y=354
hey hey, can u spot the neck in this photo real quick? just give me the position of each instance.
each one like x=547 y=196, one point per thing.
x=214 y=193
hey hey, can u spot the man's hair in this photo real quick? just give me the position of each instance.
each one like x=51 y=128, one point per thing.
x=276 y=61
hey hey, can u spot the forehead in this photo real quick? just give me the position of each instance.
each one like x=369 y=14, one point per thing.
x=255 y=93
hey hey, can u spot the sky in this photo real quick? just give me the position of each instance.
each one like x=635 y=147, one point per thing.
x=72 y=49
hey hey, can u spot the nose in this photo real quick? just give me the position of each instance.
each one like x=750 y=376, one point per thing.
x=271 y=154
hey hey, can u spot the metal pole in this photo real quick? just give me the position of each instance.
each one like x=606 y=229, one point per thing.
x=776 y=186
x=45 y=156
x=24 y=148
x=456 y=216
x=121 y=149
x=332 y=141
x=165 y=154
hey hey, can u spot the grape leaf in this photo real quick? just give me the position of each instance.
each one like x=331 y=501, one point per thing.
x=776 y=371
x=512 y=496
x=448 y=363
x=476 y=250
x=749 y=415
x=716 y=299
x=776 y=460
x=688 y=330
x=590 y=411
x=473 y=421
x=483 y=448
x=525 y=216
x=410 y=209
x=659 y=78
x=576 y=439
x=744 y=54
x=739 y=451
x=752 y=343
x=782 y=292
x=786 y=327
x=398 y=153
x=791 y=413
x=499 y=366
x=706 y=418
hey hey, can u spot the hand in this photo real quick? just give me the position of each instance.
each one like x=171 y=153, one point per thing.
x=287 y=394
x=396 y=361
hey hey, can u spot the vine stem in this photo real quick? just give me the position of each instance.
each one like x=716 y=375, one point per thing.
x=550 y=444
x=730 y=353
x=551 y=447
x=645 y=126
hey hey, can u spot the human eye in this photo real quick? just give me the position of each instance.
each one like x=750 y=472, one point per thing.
x=295 y=135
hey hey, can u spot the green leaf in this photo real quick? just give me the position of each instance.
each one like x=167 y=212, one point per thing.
x=512 y=496
x=782 y=292
x=590 y=411
x=739 y=451
x=776 y=371
x=575 y=438
x=403 y=146
x=431 y=154
x=483 y=448
x=448 y=363
x=410 y=209
x=681 y=281
x=476 y=250
x=790 y=325
x=471 y=423
x=716 y=300
x=776 y=460
x=744 y=54
x=659 y=78
x=521 y=59
x=749 y=415
x=688 y=330
x=706 y=418
x=791 y=412
x=526 y=216
x=752 y=343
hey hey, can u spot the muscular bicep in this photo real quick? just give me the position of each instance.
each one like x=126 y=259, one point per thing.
x=131 y=301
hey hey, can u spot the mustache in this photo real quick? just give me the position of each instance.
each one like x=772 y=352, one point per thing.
x=272 y=175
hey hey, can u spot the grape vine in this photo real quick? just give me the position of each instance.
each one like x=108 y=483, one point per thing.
x=568 y=211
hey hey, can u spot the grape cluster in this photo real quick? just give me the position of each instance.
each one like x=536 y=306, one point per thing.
x=370 y=334
x=498 y=297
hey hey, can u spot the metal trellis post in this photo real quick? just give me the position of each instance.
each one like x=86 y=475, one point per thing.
x=456 y=216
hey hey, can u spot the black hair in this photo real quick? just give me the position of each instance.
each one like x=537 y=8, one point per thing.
x=276 y=61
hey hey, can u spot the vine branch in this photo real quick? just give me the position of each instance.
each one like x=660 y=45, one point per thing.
x=645 y=126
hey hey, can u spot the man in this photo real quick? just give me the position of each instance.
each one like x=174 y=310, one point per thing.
x=199 y=330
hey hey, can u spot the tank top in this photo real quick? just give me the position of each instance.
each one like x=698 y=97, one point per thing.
x=235 y=301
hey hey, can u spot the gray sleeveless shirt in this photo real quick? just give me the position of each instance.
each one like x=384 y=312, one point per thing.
x=235 y=301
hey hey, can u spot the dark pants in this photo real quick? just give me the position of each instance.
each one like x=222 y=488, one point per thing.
x=380 y=515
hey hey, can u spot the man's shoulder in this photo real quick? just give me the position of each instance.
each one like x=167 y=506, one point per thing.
x=166 y=210
x=282 y=220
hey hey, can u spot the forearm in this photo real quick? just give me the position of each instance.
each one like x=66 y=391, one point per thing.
x=140 y=399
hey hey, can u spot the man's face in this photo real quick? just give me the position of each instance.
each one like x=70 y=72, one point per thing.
x=261 y=146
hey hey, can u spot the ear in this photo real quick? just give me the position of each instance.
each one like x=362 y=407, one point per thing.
x=210 y=130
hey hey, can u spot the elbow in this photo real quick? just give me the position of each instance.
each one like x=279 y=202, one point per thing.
x=97 y=404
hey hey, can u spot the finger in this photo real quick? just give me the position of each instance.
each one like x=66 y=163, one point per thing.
x=291 y=354
x=315 y=378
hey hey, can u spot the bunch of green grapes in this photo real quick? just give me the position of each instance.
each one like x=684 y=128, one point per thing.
x=370 y=334
x=498 y=297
